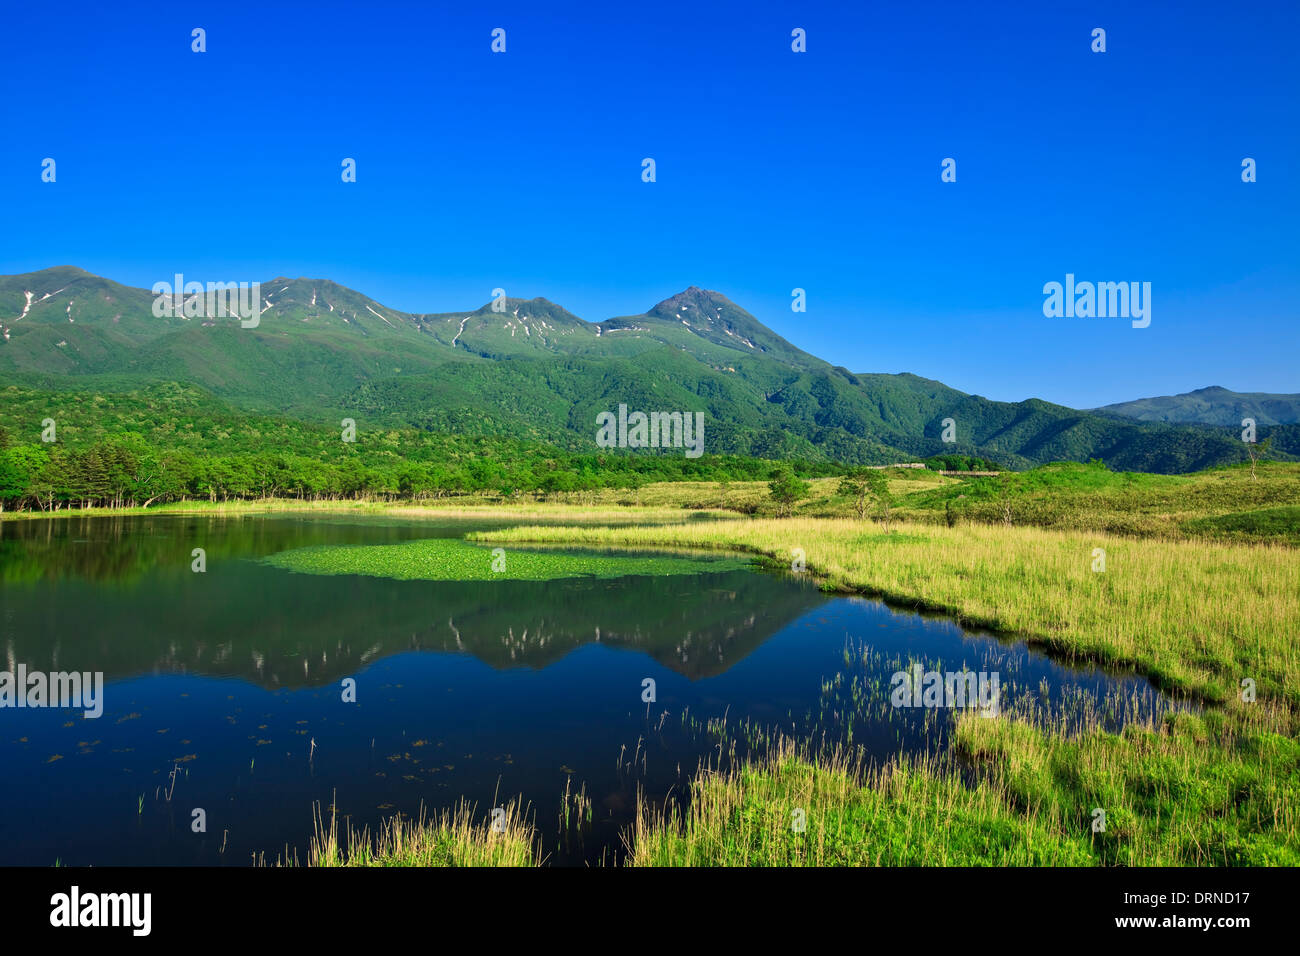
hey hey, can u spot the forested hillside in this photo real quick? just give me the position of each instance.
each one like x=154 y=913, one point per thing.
x=528 y=370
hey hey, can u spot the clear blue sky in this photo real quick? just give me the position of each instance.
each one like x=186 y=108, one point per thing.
x=775 y=169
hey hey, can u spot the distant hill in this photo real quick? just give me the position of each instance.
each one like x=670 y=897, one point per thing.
x=529 y=369
x=1212 y=406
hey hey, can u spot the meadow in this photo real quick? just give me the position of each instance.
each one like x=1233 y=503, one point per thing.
x=1209 y=618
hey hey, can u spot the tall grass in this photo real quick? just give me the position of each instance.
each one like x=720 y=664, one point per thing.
x=1196 y=617
x=1216 y=787
x=451 y=838
x=1032 y=803
x=903 y=814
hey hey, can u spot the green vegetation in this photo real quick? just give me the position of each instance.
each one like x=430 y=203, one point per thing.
x=1215 y=787
x=1194 y=616
x=537 y=374
x=902 y=816
x=786 y=489
x=449 y=559
x=1213 y=406
x=1220 y=503
x=1281 y=524
x=862 y=487
x=454 y=838
x=1029 y=803
x=173 y=443
x=960 y=463
x=465 y=410
x=1215 y=784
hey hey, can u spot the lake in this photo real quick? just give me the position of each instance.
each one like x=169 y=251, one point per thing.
x=223 y=689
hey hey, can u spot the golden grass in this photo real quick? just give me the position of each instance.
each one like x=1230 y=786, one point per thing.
x=452 y=838
x=1196 y=617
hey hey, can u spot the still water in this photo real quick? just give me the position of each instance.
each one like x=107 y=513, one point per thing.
x=223 y=689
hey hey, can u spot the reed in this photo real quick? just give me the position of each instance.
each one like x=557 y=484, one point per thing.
x=452 y=837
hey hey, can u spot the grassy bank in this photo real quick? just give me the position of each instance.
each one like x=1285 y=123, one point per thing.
x=1218 y=787
x=1220 y=504
x=1173 y=795
x=1196 y=617
x=452 y=838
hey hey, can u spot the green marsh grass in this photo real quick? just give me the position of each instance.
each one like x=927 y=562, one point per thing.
x=451 y=838
x=1008 y=794
x=450 y=559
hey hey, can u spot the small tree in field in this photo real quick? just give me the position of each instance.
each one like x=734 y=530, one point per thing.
x=863 y=486
x=1004 y=497
x=854 y=486
x=884 y=498
x=786 y=489
x=1257 y=451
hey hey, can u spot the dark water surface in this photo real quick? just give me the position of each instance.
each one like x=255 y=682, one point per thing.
x=483 y=690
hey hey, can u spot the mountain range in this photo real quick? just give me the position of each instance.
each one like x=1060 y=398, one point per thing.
x=1213 y=405
x=530 y=369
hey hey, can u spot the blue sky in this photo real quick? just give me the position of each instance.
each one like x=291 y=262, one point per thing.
x=775 y=170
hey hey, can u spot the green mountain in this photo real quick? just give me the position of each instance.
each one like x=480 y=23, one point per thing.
x=528 y=369
x=1212 y=406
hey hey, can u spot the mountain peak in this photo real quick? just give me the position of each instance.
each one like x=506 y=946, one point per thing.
x=535 y=308
x=65 y=273
x=1212 y=405
x=693 y=297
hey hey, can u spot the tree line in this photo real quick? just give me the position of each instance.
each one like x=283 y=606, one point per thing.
x=125 y=470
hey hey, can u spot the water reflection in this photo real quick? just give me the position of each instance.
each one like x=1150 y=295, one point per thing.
x=224 y=687
x=121 y=598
